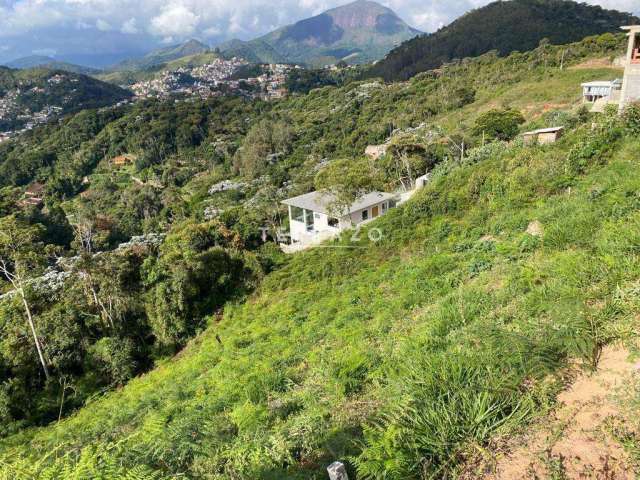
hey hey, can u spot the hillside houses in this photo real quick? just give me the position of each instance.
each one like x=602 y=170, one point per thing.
x=214 y=79
x=33 y=195
x=122 y=160
x=601 y=93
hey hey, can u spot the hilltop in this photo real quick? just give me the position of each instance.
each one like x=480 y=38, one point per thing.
x=36 y=95
x=163 y=55
x=41 y=61
x=358 y=32
x=504 y=26
x=404 y=357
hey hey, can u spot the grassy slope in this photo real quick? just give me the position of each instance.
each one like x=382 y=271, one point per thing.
x=432 y=318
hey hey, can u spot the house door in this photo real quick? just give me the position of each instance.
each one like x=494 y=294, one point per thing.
x=375 y=211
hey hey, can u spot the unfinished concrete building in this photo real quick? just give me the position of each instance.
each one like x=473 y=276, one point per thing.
x=631 y=82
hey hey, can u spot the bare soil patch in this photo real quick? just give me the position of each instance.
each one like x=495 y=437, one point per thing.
x=574 y=443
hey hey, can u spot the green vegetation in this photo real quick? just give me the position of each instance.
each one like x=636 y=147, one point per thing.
x=129 y=75
x=38 y=88
x=515 y=25
x=164 y=55
x=401 y=356
x=498 y=124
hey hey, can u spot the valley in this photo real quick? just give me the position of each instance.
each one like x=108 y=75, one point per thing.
x=474 y=313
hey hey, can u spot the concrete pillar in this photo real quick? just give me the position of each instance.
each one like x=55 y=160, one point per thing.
x=337 y=471
x=631 y=82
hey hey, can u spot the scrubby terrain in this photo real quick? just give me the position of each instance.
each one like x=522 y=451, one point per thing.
x=406 y=357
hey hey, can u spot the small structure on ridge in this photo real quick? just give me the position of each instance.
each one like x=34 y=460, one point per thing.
x=543 y=136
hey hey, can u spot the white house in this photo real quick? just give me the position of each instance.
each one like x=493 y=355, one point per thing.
x=313 y=217
x=601 y=93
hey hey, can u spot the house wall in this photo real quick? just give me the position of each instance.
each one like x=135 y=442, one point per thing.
x=631 y=82
x=544 y=138
x=591 y=94
x=321 y=229
x=300 y=234
x=355 y=218
x=297 y=230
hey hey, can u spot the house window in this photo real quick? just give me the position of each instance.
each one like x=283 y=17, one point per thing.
x=365 y=215
x=309 y=220
x=392 y=204
x=333 y=222
x=384 y=207
x=297 y=214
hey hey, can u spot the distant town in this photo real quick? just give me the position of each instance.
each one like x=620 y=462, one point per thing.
x=11 y=107
x=214 y=79
x=217 y=78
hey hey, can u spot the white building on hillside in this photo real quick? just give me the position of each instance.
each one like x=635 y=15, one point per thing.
x=631 y=82
x=601 y=93
x=313 y=219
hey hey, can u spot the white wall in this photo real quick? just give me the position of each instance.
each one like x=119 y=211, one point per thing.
x=321 y=229
x=298 y=230
x=355 y=218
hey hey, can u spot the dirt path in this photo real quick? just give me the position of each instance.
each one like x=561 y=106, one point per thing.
x=574 y=443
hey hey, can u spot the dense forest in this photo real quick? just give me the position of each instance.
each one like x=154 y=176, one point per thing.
x=146 y=255
x=518 y=25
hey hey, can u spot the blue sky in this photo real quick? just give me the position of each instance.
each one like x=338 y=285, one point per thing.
x=84 y=30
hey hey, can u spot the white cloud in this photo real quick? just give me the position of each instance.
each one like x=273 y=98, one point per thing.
x=129 y=27
x=103 y=25
x=92 y=24
x=212 y=32
x=175 y=20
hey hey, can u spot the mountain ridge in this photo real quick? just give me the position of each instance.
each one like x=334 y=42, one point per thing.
x=362 y=30
x=43 y=61
x=505 y=26
x=163 y=55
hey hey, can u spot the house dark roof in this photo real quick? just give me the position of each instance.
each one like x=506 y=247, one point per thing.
x=34 y=189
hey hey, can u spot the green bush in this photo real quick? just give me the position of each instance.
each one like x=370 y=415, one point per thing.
x=113 y=358
x=498 y=124
x=631 y=118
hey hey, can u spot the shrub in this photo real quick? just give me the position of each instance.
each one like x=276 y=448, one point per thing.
x=498 y=124
x=113 y=358
x=631 y=118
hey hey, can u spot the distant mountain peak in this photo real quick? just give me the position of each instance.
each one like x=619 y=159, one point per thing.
x=361 y=31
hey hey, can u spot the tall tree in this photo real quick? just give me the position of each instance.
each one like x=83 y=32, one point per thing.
x=21 y=259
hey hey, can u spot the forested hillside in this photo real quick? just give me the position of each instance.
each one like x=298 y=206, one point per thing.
x=26 y=95
x=504 y=26
x=163 y=55
x=176 y=343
